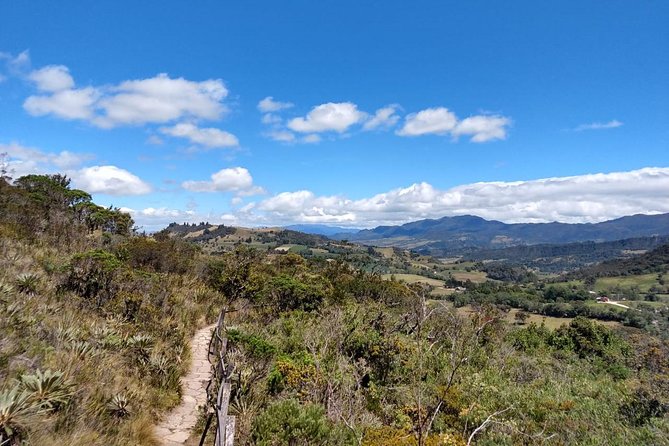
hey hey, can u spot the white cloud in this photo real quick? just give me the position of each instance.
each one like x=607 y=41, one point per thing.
x=157 y=218
x=158 y=213
x=268 y=105
x=157 y=100
x=110 y=180
x=65 y=104
x=234 y=179
x=162 y=99
x=16 y=65
x=52 y=78
x=599 y=125
x=483 y=128
x=384 y=118
x=337 y=117
x=271 y=118
x=208 y=137
x=441 y=121
x=575 y=199
x=29 y=160
x=281 y=135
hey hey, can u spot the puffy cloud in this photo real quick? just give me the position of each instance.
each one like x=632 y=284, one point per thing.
x=161 y=213
x=110 y=180
x=65 y=104
x=234 y=179
x=162 y=99
x=441 y=121
x=337 y=117
x=208 y=137
x=574 y=199
x=24 y=160
x=304 y=206
x=383 y=118
x=599 y=125
x=438 y=121
x=483 y=128
x=159 y=99
x=52 y=78
x=157 y=218
x=268 y=105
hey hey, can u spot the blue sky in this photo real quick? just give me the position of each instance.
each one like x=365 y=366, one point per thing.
x=379 y=112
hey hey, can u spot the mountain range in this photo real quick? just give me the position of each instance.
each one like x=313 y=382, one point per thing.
x=461 y=234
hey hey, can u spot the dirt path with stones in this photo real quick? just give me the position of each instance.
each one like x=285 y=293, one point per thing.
x=176 y=427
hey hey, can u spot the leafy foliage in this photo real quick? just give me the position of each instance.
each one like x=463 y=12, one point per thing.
x=288 y=423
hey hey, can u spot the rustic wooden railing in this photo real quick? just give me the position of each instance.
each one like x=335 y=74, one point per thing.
x=218 y=389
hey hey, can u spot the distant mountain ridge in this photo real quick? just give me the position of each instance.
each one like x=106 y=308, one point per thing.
x=465 y=233
x=326 y=230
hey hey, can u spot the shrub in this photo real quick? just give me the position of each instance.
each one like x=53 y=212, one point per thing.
x=641 y=408
x=288 y=423
x=91 y=275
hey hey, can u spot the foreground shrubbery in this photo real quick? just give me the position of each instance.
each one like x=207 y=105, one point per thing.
x=94 y=322
x=386 y=366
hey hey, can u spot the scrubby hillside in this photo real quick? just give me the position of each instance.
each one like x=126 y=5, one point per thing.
x=94 y=322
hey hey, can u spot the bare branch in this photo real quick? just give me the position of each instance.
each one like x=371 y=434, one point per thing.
x=485 y=423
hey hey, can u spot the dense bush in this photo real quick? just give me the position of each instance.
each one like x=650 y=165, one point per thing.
x=288 y=423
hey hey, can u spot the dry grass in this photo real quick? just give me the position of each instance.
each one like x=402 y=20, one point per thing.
x=57 y=330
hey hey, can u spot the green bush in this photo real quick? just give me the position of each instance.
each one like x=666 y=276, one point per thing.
x=92 y=275
x=288 y=423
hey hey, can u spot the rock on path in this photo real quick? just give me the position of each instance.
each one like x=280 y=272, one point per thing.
x=176 y=427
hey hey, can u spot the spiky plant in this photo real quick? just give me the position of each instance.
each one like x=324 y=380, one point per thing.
x=67 y=334
x=141 y=345
x=17 y=411
x=28 y=283
x=81 y=349
x=119 y=405
x=6 y=290
x=48 y=389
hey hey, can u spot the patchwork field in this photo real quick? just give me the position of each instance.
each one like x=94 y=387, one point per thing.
x=549 y=321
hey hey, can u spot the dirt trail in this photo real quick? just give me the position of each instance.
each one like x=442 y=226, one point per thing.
x=176 y=427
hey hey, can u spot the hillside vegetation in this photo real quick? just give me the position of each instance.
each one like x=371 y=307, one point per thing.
x=96 y=321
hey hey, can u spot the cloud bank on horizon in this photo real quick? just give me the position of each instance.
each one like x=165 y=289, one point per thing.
x=573 y=199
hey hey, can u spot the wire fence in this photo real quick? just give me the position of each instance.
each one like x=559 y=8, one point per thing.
x=218 y=389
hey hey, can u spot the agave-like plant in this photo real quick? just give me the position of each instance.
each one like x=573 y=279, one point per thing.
x=82 y=349
x=48 y=389
x=119 y=405
x=28 y=283
x=17 y=411
x=141 y=345
x=67 y=334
